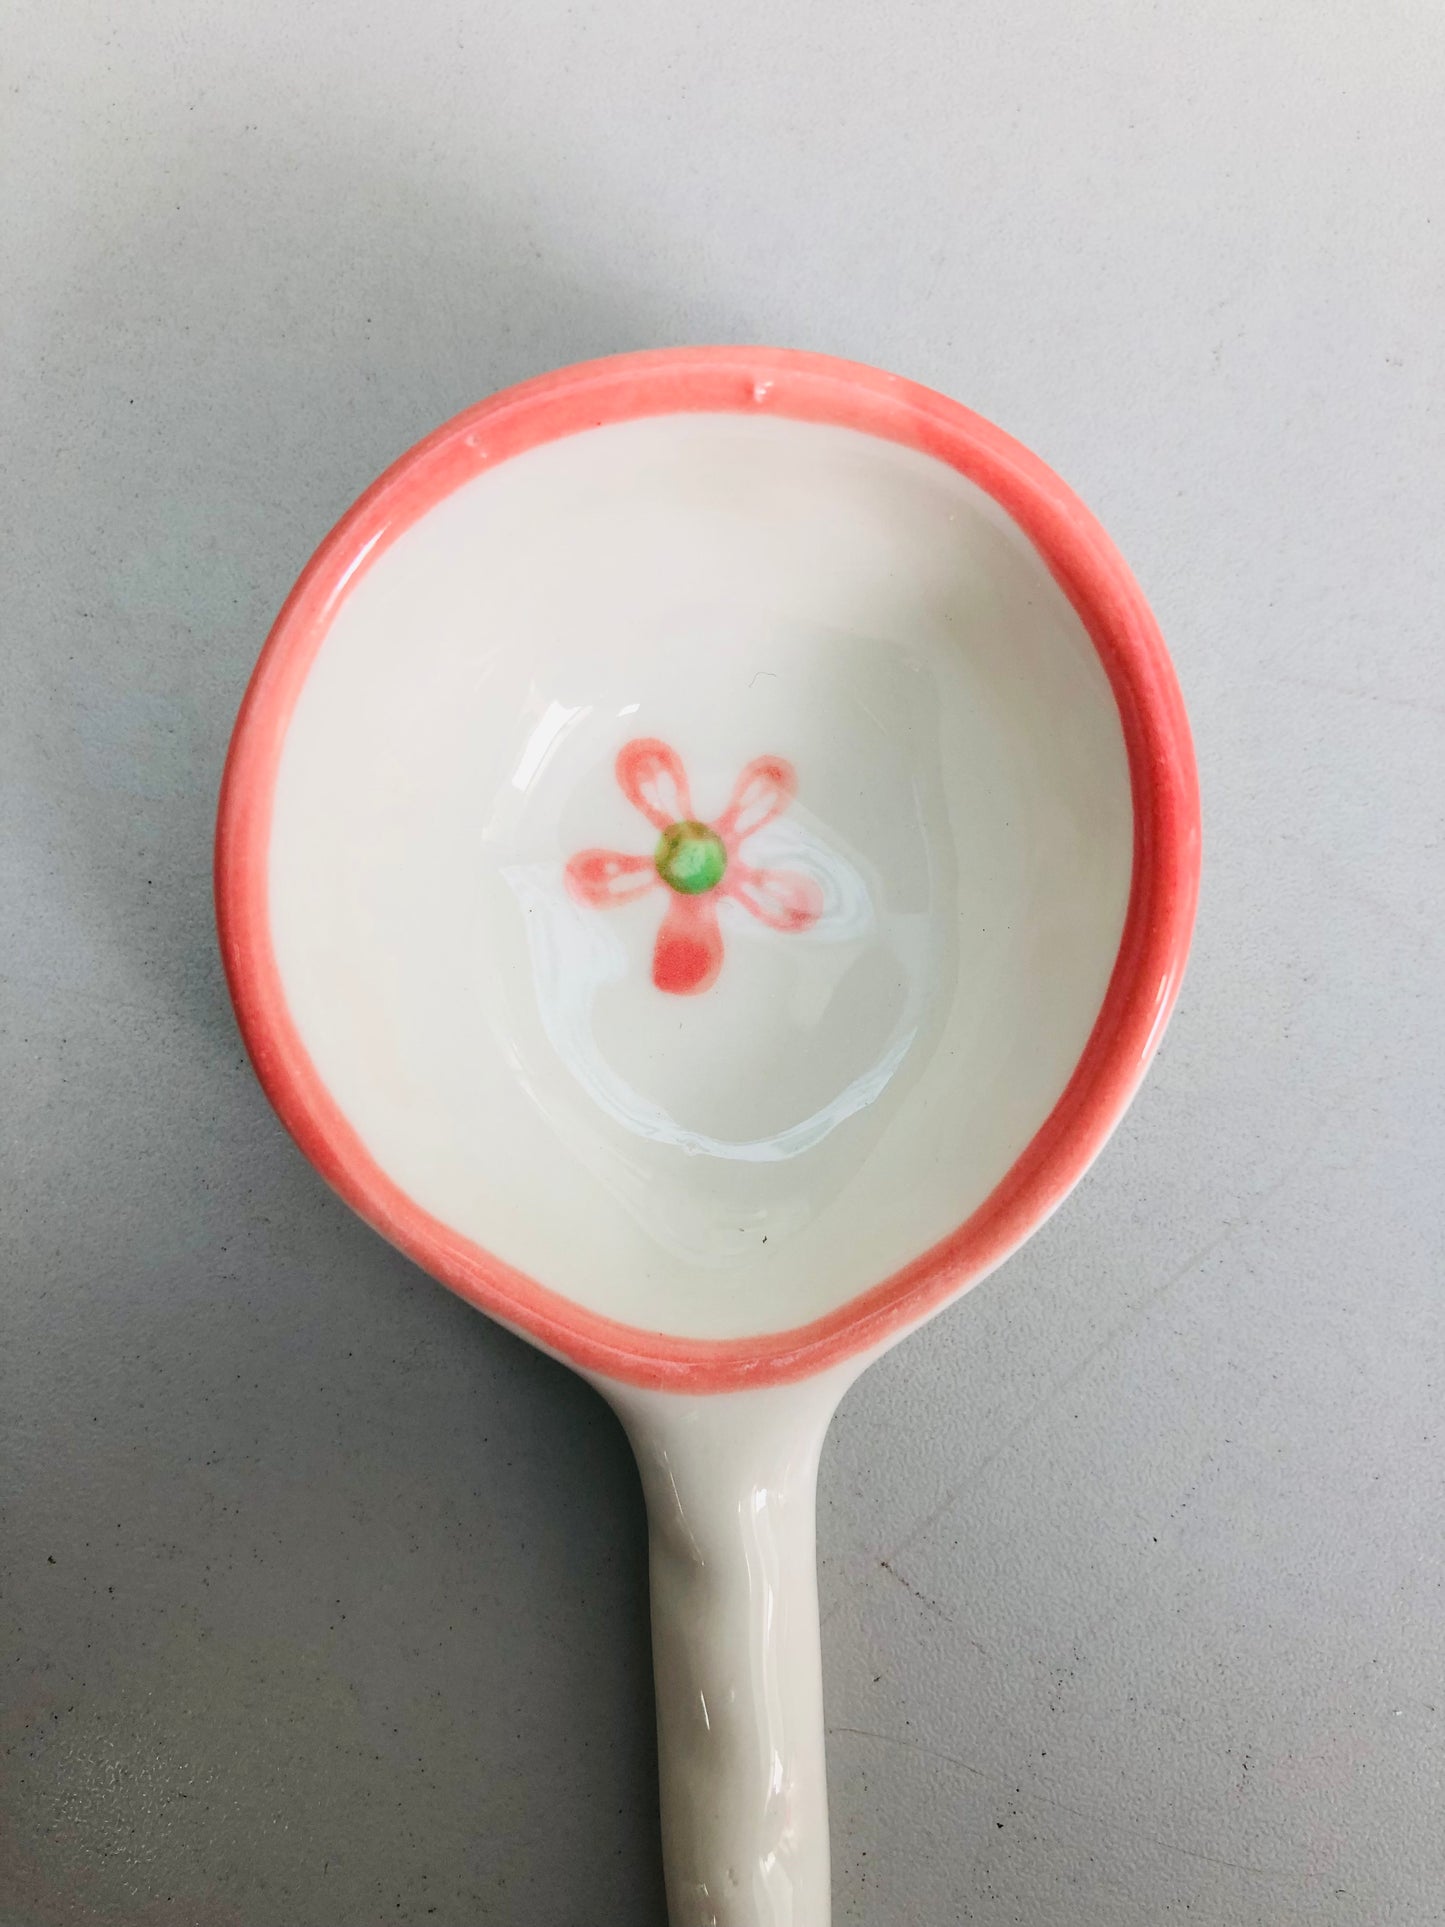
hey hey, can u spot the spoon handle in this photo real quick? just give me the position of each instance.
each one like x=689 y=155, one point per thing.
x=730 y=1481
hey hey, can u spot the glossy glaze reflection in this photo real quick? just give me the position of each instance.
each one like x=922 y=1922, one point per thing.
x=731 y=1491
x=814 y=1015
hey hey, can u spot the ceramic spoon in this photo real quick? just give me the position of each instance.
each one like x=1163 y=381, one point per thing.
x=706 y=856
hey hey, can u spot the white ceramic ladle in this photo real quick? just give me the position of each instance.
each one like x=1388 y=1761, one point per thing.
x=706 y=856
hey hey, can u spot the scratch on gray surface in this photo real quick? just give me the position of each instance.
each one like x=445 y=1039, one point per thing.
x=912 y=1746
x=1126 y=1827
x=908 y=1586
x=1380 y=907
x=1119 y=1330
x=930 y=1605
x=1352 y=692
x=1132 y=1832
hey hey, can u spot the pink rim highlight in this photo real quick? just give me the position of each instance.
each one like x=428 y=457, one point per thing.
x=1152 y=950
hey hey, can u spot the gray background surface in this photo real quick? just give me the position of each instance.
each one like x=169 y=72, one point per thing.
x=324 y=1600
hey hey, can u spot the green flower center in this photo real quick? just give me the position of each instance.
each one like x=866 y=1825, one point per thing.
x=690 y=858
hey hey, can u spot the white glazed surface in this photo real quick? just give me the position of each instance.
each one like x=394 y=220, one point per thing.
x=731 y=1486
x=841 y=1095
x=742 y=1160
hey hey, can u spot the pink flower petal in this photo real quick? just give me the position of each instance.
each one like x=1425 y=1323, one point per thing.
x=763 y=791
x=689 y=950
x=783 y=899
x=653 y=780
x=602 y=877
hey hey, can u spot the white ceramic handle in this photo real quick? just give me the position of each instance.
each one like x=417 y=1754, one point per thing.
x=731 y=1485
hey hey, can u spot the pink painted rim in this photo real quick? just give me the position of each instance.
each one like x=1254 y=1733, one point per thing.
x=1152 y=950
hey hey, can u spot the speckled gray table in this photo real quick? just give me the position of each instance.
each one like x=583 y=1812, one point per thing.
x=323 y=1601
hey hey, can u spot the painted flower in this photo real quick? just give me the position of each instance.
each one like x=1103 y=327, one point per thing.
x=696 y=863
